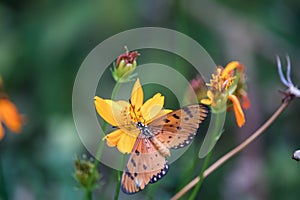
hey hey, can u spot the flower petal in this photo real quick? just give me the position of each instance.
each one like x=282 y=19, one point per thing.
x=126 y=143
x=137 y=95
x=210 y=95
x=206 y=101
x=110 y=110
x=10 y=115
x=113 y=138
x=152 y=107
x=230 y=67
x=238 y=112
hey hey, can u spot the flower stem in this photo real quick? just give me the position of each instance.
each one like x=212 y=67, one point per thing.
x=198 y=185
x=89 y=188
x=117 y=192
x=119 y=180
x=210 y=140
x=234 y=151
x=115 y=90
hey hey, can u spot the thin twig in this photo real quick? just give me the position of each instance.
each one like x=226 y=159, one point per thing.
x=234 y=151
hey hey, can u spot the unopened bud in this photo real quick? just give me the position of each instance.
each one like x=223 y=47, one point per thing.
x=125 y=66
x=83 y=172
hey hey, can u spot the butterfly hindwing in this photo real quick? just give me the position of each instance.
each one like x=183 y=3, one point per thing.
x=145 y=165
x=178 y=128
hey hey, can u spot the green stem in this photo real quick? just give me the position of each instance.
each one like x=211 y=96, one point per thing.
x=117 y=192
x=89 y=188
x=115 y=90
x=119 y=180
x=213 y=136
x=205 y=165
x=3 y=192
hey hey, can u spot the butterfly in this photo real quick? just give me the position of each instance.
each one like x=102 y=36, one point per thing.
x=147 y=162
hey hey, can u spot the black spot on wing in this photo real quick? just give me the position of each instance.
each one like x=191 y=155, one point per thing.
x=154 y=179
x=131 y=176
x=185 y=142
x=160 y=174
x=187 y=111
x=176 y=116
x=127 y=173
x=144 y=167
x=166 y=120
x=137 y=152
x=133 y=162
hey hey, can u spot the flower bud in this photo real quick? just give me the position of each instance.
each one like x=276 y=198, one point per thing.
x=125 y=66
x=83 y=172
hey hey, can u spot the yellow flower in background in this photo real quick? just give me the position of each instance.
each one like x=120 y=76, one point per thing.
x=124 y=116
x=9 y=115
x=228 y=84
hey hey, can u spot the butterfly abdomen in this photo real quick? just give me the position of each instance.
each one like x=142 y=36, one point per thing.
x=163 y=150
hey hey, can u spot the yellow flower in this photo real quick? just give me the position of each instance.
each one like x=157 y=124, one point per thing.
x=125 y=115
x=228 y=84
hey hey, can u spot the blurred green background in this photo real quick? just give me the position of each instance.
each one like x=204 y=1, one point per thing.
x=43 y=43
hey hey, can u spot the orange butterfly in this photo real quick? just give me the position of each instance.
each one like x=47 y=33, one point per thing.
x=147 y=162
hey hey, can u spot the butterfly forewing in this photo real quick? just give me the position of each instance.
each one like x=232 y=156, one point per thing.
x=145 y=165
x=176 y=129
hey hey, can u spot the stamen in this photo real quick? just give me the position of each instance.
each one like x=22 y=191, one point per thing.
x=225 y=84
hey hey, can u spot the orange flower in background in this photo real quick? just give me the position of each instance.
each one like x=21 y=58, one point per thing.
x=228 y=84
x=9 y=115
